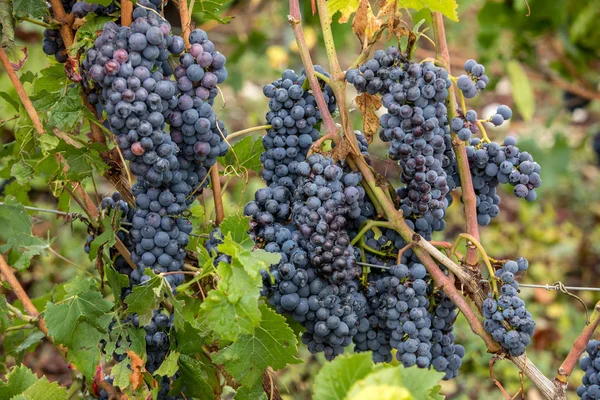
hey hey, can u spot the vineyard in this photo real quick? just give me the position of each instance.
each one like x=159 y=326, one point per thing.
x=343 y=199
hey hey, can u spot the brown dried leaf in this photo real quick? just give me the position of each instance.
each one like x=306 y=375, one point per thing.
x=359 y=25
x=368 y=105
x=341 y=151
x=137 y=367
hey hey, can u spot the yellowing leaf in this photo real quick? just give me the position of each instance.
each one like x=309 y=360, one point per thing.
x=380 y=392
x=446 y=7
x=345 y=7
x=137 y=367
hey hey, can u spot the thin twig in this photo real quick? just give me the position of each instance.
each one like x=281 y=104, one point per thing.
x=248 y=130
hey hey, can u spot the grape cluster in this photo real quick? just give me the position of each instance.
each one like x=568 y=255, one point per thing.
x=590 y=364
x=506 y=317
x=405 y=313
x=473 y=81
x=323 y=201
x=492 y=164
x=131 y=80
x=416 y=125
x=293 y=116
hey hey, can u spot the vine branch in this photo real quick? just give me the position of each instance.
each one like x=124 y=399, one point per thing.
x=466 y=182
x=567 y=366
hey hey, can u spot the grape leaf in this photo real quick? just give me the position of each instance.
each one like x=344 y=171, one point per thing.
x=231 y=309
x=17 y=381
x=273 y=344
x=335 y=379
x=37 y=9
x=120 y=374
x=22 y=172
x=63 y=319
x=345 y=7
x=128 y=337
x=255 y=392
x=251 y=261
x=210 y=9
x=68 y=112
x=144 y=299
x=521 y=89
x=199 y=377
x=189 y=340
x=22 y=383
x=244 y=155
x=398 y=383
x=446 y=7
x=5 y=322
x=116 y=280
x=34 y=338
x=82 y=162
x=169 y=366
x=237 y=227
x=16 y=233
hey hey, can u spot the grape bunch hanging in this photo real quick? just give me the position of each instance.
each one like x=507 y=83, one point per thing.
x=314 y=206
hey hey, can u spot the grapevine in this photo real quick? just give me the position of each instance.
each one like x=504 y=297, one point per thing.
x=195 y=300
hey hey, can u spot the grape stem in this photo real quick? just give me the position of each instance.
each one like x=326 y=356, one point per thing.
x=461 y=97
x=484 y=255
x=323 y=77
x=248 y=130
x=367 y=226
x=484 y=136
x=37 y=22
x=126 y=12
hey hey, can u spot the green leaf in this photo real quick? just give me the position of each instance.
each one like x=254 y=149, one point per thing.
x=251 y=261
x=244 y=155
x=210 y=10
x=128 y=338
x=16 y=233
x=63 y=319
x=68 y=112
x=10 y=100
x=189 y=340
x=48 y=143
x=345 y=7
x=22 y=172
x=273 y=344
x=116 y=280
x=230 y=317
x=82 y=162
x=144 y=299
x=397 y=383
x=521 y=89
x=255 y=392
x=17 y=381
x=37 y=9
x=199 y=377
x=120 y=373
x=44 y=390
x=5 y=322
x=335 y=379
x=421 y=383
x=446 y=7
x=34 y=338
x=169 y=366
x=237 y=227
